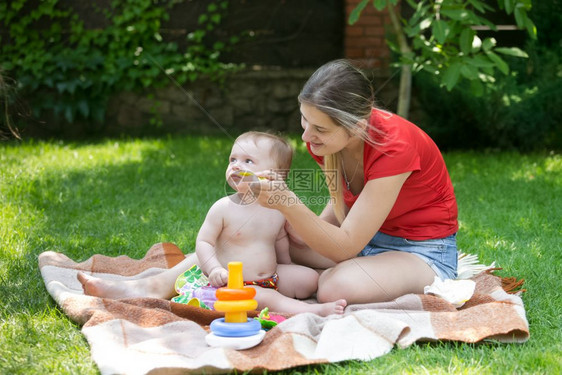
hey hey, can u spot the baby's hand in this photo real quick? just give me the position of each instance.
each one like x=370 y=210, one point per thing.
x=218 y=277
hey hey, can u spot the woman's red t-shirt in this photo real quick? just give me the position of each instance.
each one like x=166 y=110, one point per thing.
x=426 y=206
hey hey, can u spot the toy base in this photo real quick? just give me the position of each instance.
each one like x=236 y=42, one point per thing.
x=236 y=343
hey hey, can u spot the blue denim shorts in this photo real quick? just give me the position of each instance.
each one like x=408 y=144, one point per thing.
x=440 y=254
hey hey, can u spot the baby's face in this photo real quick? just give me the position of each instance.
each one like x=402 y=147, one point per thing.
x=248 y=155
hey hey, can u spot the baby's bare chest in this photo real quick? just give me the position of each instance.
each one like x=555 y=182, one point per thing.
x=264 y=225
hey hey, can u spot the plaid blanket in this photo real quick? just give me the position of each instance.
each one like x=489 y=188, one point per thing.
x=141 y=335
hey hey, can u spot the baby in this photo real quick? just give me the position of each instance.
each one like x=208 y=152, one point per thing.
x=237 y=228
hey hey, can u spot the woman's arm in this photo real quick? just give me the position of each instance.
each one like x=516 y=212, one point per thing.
x=327 y=215
x=360 y=225
x=302 y=254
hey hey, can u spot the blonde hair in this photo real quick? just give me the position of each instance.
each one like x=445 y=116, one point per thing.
x=345 y=94
x=281 y=150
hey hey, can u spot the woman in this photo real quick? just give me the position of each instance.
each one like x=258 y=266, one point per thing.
x=390 y=226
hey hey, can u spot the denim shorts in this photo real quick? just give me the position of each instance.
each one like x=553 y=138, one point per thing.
x=440 y=254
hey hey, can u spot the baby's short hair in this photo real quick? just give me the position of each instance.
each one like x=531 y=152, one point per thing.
x=281 y=149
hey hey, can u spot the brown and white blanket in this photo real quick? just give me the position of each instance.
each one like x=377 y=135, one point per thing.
x=141 y=335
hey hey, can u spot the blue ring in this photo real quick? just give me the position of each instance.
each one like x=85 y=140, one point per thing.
x=220 y=328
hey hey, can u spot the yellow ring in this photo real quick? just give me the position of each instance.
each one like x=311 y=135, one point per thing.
x=236 y=306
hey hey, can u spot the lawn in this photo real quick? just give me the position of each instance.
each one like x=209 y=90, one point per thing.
x=121 y=196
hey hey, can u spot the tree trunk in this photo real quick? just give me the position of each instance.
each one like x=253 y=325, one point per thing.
x=405 y=90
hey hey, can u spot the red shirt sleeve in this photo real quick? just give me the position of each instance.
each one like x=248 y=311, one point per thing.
x=401 y=158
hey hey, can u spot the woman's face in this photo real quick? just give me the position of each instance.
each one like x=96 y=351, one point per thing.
x=323 y=134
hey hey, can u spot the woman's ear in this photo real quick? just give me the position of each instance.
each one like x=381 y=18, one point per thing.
x=360 y=129
x=363 y=125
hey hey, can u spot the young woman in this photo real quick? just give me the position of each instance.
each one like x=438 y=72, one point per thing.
x=391 y=224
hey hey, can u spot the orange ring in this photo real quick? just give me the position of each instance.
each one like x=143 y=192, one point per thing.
x=236 y=306
x=231 y=294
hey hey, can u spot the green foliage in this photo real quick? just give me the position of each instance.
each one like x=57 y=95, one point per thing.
x=443 y=42
x=522 y=110
x=64 y=67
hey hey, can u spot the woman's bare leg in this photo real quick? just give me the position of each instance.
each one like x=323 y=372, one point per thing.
x=157 y=286
x=376 y=278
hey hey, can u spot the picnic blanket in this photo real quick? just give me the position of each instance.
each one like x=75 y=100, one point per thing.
x=142 y=335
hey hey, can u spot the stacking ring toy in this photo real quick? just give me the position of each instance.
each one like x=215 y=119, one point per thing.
x=235 y=330
x=241 y=306
x=220 y=328
x=227 y=294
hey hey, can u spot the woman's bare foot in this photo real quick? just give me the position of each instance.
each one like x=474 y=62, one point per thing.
x=94 y=286
x=329 y=308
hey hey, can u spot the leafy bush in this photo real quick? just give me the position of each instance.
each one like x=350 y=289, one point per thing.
x=522 y=110
x=64 y=67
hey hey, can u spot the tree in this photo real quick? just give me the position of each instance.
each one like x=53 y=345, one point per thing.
x=7 y=88
x=440 y=38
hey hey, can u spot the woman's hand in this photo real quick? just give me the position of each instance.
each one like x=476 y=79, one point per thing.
x=271 y=191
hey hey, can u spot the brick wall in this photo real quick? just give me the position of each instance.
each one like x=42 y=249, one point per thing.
x=365 y=40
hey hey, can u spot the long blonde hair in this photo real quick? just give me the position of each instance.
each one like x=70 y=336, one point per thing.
x=345 y=94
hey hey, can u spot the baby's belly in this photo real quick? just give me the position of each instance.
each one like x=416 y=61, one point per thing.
x=256 y=265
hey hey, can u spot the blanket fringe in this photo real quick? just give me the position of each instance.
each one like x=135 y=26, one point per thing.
x=510 y=284
x=469 y=266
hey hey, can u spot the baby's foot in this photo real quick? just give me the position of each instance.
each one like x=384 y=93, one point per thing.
x=329 y=308
x=94 y=286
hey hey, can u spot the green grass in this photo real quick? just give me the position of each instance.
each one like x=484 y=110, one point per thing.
x=121 y=196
